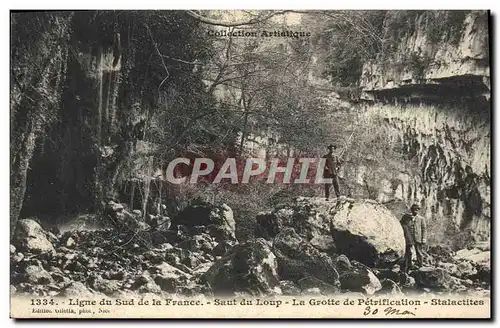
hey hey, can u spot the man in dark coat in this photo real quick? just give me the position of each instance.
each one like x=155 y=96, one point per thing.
x=414 y=228
x=332 y=166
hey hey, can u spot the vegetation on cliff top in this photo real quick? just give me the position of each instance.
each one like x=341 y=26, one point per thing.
x=376 y=36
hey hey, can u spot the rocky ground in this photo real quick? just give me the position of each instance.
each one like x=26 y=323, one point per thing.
x=310 y=246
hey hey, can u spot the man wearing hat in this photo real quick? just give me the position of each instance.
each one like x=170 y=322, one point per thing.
x=414 y=228
x=332 y=165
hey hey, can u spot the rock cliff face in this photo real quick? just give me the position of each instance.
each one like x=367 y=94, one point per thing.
x=72 y=166
x=431 y=94
x=83 y=83
x=37 y=85
x=432 y=61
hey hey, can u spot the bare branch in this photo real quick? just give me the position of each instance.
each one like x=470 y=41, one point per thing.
x=181 y=60
x=228 y=51
x=251 y=21
x=161 y=57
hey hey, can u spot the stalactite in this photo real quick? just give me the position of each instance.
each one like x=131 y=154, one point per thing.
x=100 y=86
x=420 y=129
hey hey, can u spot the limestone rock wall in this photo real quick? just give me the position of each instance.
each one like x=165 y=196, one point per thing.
x=433 y=98
x=457 y=52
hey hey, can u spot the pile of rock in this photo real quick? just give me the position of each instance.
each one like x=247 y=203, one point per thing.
x=362 y=230
x=114 y=261
x=357 y=246
x=310 y=246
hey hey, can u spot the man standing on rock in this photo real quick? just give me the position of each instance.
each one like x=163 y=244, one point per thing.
x=332 y=166
x=414 y=228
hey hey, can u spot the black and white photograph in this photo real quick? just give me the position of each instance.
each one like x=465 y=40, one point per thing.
x=250 y=164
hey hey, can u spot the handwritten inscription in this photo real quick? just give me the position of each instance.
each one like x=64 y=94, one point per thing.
x=393 y=311
x=389 y=311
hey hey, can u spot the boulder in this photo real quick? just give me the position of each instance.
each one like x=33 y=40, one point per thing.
x=167 y=270
x=193 y=290
x=474 y=255
x=310 y=217
x=172 y=259
x=389 y=287
x=324 y=243
x=112 y=206
x=193 y=260
x=223 y=248
x=52 y=237
x=461 y=269
x=483 y=274
x=269 y=224
x=58 y=275
x=297 y=258
x=407 y=281
x=250 y=268
x=76 y=289
x=360 y=279
x=199 y=243
x=130 y=222
x=220 y=233
x=145 y=284
x=311 y=292
x=289 y=288
x=18 y=257
x=394 y=274
x=458 y=285
x=124 y=220
x=202 y=268
x=367 y=232
x=354 y=295
x=342 y=263
x=159 y=222
x=441 y=253
x=196 y=230
x=105 y=286
x=160 y=237
x=165 y=246
x=483 y=245
x=310 y=282
x=37 y=275
x=30 y=236
x=166 y=283
x=198 y=213
x=70 y=242
x=432 y=278
x=153 y=257
x=178 y=255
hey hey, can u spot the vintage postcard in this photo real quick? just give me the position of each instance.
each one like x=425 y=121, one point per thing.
x=250 y=164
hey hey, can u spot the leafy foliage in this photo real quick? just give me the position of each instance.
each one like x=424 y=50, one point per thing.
x=374 y=36
x=351 y=39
